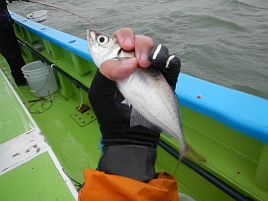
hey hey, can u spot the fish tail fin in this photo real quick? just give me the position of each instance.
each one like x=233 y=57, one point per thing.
x=183 y=152
x=191 y=151
x=188 y=150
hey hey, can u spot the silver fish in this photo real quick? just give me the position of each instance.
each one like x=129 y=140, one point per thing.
x=148 y=93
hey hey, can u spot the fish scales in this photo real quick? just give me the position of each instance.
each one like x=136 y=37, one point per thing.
x=152 y=97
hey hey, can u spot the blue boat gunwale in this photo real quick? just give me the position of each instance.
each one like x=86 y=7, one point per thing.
x=241 y=111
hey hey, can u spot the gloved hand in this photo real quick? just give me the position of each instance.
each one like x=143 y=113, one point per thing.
x=127 y=151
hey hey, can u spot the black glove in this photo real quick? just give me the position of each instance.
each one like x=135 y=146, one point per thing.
x=127 y=151
x=169 y=65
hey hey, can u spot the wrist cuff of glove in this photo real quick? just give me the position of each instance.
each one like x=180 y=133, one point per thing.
x=132 y=161
x=138 y=135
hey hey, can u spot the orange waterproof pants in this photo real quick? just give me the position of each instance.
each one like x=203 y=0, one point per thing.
x=106 y=187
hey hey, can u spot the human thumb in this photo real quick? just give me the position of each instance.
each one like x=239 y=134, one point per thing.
x=119 y=69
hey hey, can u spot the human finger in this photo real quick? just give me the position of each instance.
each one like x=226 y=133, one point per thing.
x=118 y=69
x=143 y=46
x=125 y=38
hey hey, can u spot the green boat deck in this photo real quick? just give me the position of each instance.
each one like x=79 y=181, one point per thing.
x=38 y=179
x=29 y=169
x=76 y=147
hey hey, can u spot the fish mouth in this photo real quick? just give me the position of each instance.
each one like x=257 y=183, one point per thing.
x=91 y=37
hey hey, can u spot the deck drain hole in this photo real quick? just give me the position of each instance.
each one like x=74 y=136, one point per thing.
x=83 y=119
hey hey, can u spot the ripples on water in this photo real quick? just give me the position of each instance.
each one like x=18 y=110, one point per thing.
x=223 y=41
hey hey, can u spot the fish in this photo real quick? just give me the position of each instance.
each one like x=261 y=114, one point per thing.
x=146 y=90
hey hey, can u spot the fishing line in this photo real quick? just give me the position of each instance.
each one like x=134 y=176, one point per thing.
x=68 y=11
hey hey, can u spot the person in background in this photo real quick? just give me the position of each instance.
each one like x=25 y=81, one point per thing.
x=126 y=169
x=9 y=46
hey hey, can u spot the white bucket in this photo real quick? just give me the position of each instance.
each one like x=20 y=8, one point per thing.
x=40 y=77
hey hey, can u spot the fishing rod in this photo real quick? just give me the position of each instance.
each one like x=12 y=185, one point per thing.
x=62 y=9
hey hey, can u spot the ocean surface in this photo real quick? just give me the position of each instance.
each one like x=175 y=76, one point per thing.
x=222 y=41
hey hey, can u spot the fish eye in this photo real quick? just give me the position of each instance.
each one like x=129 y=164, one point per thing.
x=102 y=40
